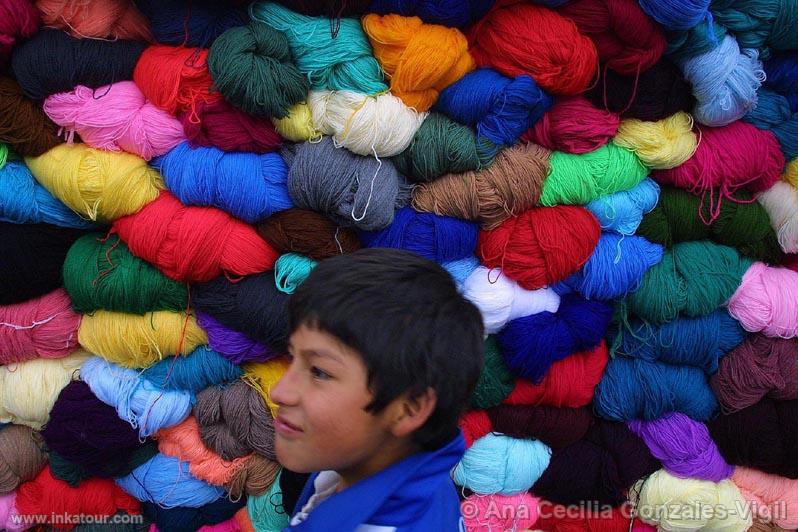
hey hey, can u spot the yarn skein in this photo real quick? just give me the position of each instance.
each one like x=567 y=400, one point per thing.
x=639 y=389
x=765 y=301
x=45 y=327
x=529 y=39
x=198 y=24
x=23 y=124
x=623 y=211
x=406 y=46
x=457 y=15
x=307 y=233
x=20 y=20
x=662 y=144
x=139 y=341
x=252 y=66
x=221 y=125
x=573 y=125
x=101 y=273
x=22 y=456
x=24 y=201
x=193 y=243
x=339 y=60
x=194 y=372
x=99 y=185
x=781 y=203
x=291 y=270
x=248 y=186
x=107 y=19
x=380 y=125
x=511 y=185
x=89 y=62
x=540 y=246
x=235 y=346
x=115 y=118
x=766 y=492
x=136 y=400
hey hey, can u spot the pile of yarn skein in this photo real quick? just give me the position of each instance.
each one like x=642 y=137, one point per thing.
x=613 y=183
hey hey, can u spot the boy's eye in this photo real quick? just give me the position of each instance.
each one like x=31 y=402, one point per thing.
x=319 y=374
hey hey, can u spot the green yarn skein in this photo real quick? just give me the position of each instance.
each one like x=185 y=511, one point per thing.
x=742 y=224
x=3 y=154
x=693 y=279
x=696 y=41
x=340 y=60
x=253 y=67
x=495 y=380
x=441 y=146
x=579 y=179
x=102 y=274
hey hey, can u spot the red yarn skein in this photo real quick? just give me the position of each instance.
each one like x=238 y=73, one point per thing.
x=573 y=125
x=175 y=79
x=627 y=40
x=46 y=495
x=221 y=125
x=528 y=39
x=570 y=382
x=194 y=244
x=475 y=424
x=541 y=246
x=18 y=19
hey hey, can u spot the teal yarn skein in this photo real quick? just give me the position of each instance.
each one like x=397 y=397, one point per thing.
x=291 y=270
x=331 y=61
x=693 y=279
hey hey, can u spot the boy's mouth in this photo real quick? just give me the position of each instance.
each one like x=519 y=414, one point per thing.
x=285 y=428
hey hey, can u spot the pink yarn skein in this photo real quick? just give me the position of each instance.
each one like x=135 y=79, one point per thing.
x=115 y=117
x=767 y=301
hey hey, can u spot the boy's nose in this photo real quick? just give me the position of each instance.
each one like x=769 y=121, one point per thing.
x=284 y=393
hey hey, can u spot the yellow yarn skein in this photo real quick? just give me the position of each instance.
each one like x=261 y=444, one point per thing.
x=28 y=390
x=263 y=376
x=673 y=503
x=791 y=173
x=663 y=144
x=298 y=126
x=97 y=184
x=136 y=341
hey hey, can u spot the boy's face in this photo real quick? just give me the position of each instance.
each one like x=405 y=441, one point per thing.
x=321 y=422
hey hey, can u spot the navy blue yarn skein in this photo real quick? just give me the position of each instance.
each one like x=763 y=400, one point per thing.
x=193 y=24
x=452 y=13
x=53 y=61
x=530 y=345
x=247 y=185
x=438 y=238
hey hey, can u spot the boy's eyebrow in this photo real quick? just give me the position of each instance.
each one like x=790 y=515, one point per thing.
x=321 y=353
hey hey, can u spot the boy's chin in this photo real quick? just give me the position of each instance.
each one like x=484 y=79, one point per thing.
x=290 y=460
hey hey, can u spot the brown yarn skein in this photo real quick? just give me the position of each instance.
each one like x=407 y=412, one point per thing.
x=21 y=456
x=23 y=124
x=512 y=184
x=255 y=478
x=307 y=232
x=235 y=421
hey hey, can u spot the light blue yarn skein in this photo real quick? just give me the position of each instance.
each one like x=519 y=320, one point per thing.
x=249 y=186
x=167 y=482
x=623 y=211
x=137 y=400
x=500 y=464
x=24 y=201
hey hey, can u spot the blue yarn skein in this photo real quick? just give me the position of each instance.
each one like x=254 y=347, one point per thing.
x=194 y=24
x=438 y=238
x=500 y=464
x=167 y=482
x=632 y=388
x=531 y=344
x=332 y=61
x=137 y=400
x=782 y=77
x=202 y=368
x=678 y=15
x=24 y=201
x=616 y=267
x=699 y=342
x=773 y=113
x=182 y=519
x=623 y=211
x=247 y=185
x=461 y=269
x=451 y=13
x=500 y=108
x=725 y=80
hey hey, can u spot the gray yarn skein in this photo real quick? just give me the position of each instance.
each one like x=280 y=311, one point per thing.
x=352 y=190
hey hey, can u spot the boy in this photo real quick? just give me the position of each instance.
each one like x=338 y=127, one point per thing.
x=384 y=355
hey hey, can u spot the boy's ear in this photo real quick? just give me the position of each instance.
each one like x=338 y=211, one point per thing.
x=410 y=413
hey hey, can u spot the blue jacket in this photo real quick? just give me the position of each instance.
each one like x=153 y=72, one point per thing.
x=413 y=495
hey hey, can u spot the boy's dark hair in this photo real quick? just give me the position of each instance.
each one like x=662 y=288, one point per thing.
x=405 y=317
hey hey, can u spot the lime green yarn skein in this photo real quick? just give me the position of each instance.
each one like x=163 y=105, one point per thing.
x=693 y=279
x=253 y=67
x=101 y=273
x=579 y=179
